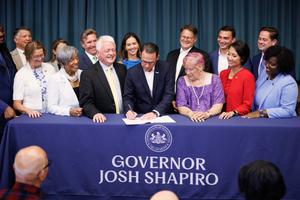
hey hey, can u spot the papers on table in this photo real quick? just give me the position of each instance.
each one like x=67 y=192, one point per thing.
x=138 y=120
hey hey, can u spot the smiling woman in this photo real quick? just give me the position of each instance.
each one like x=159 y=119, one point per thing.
x=130 y=50
x=30 y=83
x=63 y=87
x=199 y=93
x=276 y=96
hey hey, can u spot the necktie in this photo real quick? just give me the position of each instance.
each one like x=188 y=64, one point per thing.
x=94 y=59
x=261 y=67
x=113 y=88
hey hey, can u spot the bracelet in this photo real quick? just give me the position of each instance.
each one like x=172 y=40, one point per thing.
x=235 y=113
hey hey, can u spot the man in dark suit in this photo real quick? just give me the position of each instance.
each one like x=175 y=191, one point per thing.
x=268 y=36
x=101 y=85
x=187 y=39
x=148 y=86
x=88 y=40
x=7 y=73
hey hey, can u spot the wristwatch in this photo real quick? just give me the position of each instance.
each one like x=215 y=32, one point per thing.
x=261 y=113
x=235 y=113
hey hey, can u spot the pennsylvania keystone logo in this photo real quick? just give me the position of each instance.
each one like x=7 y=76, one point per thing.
x=158 y=138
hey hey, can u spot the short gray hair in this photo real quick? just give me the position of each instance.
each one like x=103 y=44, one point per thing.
x=104 y=38
x=65 y=55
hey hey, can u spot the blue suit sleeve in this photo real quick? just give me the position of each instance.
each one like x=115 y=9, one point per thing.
x=3 y=106
x=287 y=104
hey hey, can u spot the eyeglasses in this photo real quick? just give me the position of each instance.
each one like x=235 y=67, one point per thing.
x=46 y=166
x=186 y=37
x=148 y=63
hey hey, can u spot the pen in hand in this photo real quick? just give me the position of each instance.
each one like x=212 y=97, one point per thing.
x=130 y=113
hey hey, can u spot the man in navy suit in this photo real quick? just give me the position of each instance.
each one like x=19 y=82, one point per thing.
x=187 y=39
x=148 y=86
x=268 y=36
x=7 y=73
x=88 y=42
x=218 y=58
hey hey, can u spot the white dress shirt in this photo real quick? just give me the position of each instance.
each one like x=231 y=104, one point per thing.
x=150 y=79
x=222 y=62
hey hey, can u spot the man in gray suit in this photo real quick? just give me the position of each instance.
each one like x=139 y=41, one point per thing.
x=22 y=36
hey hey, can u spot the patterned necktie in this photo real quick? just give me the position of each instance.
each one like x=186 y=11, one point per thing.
x=113 y=88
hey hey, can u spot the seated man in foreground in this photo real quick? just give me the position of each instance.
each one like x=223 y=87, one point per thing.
x=31 y=168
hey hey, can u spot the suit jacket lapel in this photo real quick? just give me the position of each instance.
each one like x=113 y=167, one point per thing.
x=269 y=89
x=144 y=80
x=103 y=80
x=156 y=78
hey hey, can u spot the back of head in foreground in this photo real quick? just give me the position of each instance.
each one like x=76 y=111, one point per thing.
x=164 y=195
x=31 y=165
x=261 y=180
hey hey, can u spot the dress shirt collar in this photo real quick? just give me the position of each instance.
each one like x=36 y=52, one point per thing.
x=152 y=70
x=91 y=57
x=20 y=51
x=185 y=51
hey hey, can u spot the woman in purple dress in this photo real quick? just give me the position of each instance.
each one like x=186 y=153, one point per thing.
x=199 y=93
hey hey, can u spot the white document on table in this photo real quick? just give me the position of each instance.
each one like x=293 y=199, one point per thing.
x=138 y=120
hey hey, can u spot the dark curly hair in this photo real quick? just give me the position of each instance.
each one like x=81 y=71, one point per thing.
x=261 y=180
x=284 y=56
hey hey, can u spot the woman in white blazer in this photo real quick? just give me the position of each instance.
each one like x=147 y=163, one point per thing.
x=30 y=83
x=63 y=87
x=276 y=96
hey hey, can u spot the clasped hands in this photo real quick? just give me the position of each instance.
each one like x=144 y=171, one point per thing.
x=199 y=116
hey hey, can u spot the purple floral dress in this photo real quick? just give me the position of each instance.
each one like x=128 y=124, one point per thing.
x=199 y=98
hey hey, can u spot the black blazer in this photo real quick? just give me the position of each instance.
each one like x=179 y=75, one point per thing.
x=173 y=57
x=137 y=93
x=95 y=95
x=84 y=61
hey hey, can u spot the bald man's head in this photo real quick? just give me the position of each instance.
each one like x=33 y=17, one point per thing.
x=164 y=195
x=31 y=165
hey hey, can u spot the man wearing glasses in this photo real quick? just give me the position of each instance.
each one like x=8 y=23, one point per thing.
x=31 y=168
x=187 y=39
x=148 y=86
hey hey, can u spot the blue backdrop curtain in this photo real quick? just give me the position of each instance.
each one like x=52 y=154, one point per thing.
x=158 y=21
